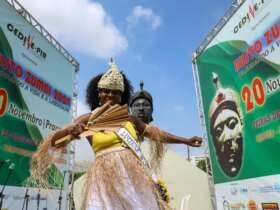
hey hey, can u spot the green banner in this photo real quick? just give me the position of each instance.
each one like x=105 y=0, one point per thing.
x=252 y=124
x=239 y=81
x=34 y=100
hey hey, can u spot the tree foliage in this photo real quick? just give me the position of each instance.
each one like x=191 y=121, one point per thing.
x=202 y=165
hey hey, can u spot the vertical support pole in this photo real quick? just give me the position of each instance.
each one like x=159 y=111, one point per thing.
x=204 y=132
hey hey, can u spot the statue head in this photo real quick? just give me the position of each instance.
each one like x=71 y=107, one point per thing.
x=141 y=105
x=226 y=128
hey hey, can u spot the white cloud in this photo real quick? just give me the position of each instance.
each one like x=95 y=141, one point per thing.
x=81 y=25
x=146 y=14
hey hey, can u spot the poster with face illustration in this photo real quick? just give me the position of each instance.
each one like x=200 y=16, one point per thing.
x=238 y=76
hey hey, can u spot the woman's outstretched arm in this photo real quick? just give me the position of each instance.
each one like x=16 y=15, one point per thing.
x=155 y=133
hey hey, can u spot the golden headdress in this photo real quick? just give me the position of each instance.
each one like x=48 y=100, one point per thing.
x=112 y=79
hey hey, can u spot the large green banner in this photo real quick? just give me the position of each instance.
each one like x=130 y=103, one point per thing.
x=239 y=81
x=36 y=89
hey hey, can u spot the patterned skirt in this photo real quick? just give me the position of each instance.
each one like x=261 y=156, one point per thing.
x=117 y=180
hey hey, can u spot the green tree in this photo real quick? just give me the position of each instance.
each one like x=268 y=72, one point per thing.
x=202 y=165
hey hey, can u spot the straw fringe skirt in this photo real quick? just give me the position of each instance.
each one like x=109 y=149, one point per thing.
x=117 y=180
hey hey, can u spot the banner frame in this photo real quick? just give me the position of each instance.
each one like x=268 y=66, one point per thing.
x=22 y=12
x=195 y=66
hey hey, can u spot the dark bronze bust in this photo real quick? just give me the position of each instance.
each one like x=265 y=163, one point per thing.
x=141 y=105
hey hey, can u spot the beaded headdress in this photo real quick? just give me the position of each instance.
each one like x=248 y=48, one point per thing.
x=112 y=79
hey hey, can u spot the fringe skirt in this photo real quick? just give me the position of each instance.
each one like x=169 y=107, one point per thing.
x=117 y=180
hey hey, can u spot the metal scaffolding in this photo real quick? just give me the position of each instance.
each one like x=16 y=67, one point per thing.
x=229 y=13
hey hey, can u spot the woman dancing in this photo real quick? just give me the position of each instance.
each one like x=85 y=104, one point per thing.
x=119 y=178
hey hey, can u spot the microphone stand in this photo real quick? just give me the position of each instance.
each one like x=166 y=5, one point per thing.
x=26 y=200
x=38 y=199
x=3 y=188
x=71 y=201
x=60 y=193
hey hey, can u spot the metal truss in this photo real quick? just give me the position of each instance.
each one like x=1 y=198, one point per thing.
x=229 y=13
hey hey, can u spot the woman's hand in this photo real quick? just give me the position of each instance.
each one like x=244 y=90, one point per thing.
x=62 y=137
x=78 y=126
x=194 y=141
x=75 y=130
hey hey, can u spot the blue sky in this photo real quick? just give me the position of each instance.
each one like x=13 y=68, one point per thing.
x=150 y=40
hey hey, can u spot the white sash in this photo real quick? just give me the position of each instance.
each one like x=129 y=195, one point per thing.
x=134 y=146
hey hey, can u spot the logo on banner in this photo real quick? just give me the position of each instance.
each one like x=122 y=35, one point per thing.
x=252 y=205
x=253 y=11
x=244 y=190
x=239 y=206
x=230 y=206
x=266 y=189
x=277 y=187
x=27 y=41
x=270 y=206
x=233 y=190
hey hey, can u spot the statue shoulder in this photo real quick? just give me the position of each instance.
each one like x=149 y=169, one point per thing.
x=139 y=124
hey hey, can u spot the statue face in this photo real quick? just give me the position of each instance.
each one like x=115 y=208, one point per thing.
x=142 y=109
x=227 y=136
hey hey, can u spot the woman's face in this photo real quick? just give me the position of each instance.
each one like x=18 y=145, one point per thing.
x=107 y=95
